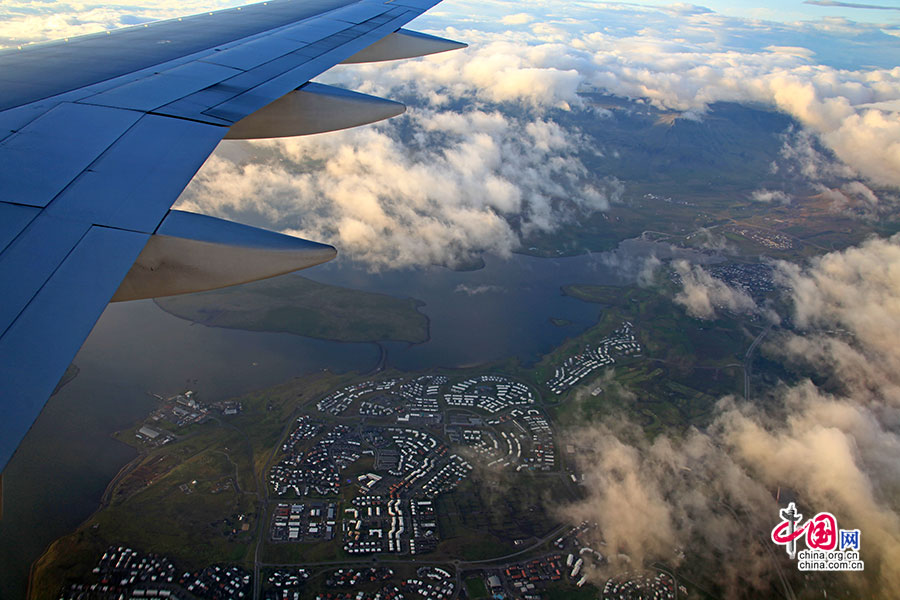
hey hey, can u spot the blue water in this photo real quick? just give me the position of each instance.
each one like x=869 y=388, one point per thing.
x=58 y=475
x=479 y=316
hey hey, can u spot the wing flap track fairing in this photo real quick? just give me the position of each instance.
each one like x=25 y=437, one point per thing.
x=314 y=108
x=193 y=253
x=403 y=43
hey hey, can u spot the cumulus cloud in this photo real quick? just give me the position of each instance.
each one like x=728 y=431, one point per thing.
x=856 y=291
x=801 y=152
x=466 y=183
x=517 y=19
x=855 y=197
x=526 y=174
x=647 y=274
x=860 y=190
x=703 y=295
x=28 y=22
x=708 y=239
x=768 y=196
x=833 y=451
x=640 y=259
x=638 y=264
x=711 y=495
x=791 y=51
x=835 y=444
x=676 y=62
x=821 y=98
x=659 y=500
x=475 y=290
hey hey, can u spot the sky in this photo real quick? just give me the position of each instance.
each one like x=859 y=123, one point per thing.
x=794 y=10
x=482 y=155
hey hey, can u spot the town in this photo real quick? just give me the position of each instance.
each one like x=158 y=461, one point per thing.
x=420 y=438
x=755 y=279
x=177 y=412
x=576 y=368
x=768 y=239
x=364 y=467
x=125 y=573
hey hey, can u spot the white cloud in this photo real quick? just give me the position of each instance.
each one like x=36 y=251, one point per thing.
x=24 y=22
x=680 y=57
x=856 y=291
x=467 y=182
x=704 y=295
x=664 y=499
x=791 y=51
x=682 y=60
x=517 y=19
x=476 y=290
x=834 y=445
x=520 y=171
x=768 y=196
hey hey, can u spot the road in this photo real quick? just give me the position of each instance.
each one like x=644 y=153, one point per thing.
x=748 y=359
x=458 y=565
x=263 y=493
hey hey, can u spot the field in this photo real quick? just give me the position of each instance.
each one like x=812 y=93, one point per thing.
x=476 y=589
x=685 y=367
x=197 y=500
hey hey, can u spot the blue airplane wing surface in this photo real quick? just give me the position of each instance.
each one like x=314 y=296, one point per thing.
x=100 y=134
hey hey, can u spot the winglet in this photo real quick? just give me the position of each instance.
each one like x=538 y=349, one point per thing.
x=193 y=253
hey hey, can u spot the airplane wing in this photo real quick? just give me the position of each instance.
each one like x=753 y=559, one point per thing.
x=100 y=134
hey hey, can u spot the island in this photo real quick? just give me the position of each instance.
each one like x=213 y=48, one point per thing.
x=301 y=306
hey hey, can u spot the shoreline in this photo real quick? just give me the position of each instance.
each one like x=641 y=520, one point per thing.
x=104 y=502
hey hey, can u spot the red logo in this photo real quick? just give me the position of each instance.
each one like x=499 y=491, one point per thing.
x=821 y=532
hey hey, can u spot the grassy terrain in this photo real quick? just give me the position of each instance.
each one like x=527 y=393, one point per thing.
x=685 y=366
x=297 y=305
x=563 y=591
x=476 y=588
x=675 y=176
x=196 y=525
x=194 y=500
